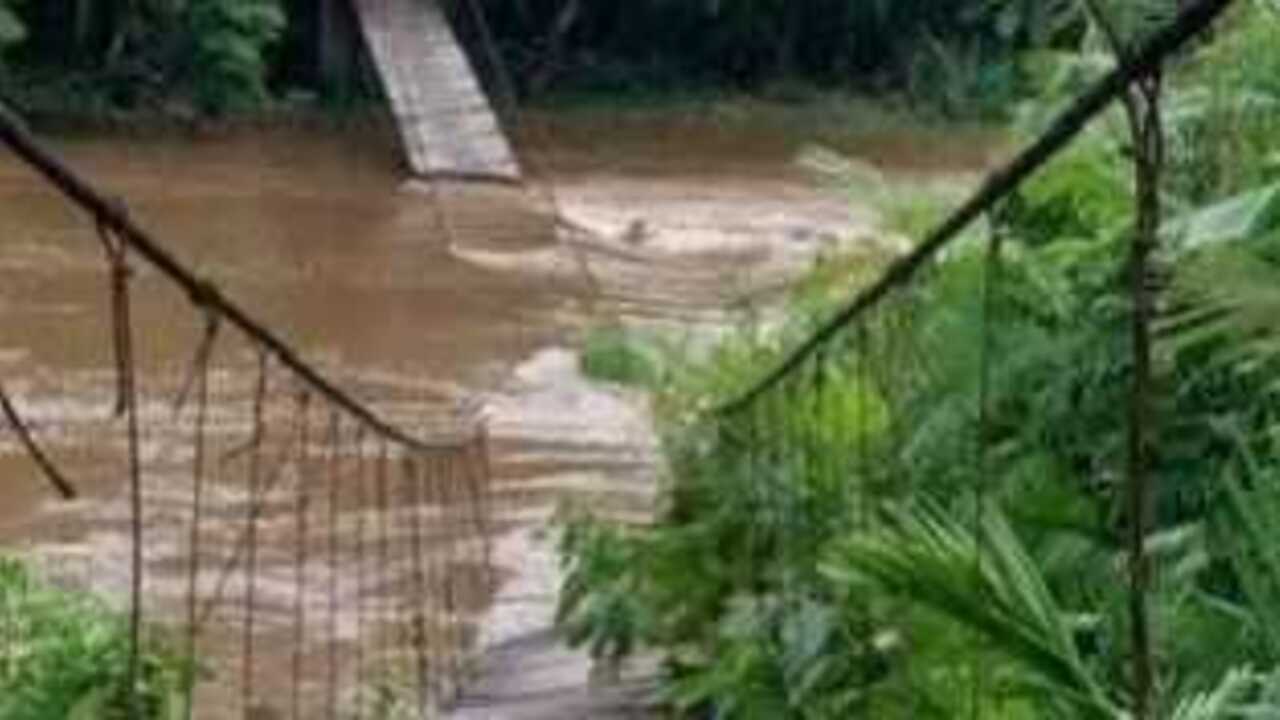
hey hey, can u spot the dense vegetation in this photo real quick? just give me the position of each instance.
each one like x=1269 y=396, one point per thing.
x=216 y=56
x=79 y=56
x=654 y=45
x=824 y=556
x=64 y=656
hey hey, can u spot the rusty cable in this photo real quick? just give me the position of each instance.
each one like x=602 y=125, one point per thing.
x=1193 y=19
x=200 y=375
x=20 y=428
x=300 y=558
x=360 y=572
x=421 y=642
x=386 y=619
x=241 y=546
x=121 y=337
x=200 y=363
x=431 y=506
x=127 y=404
x=251 y=531
x=335 y=448
x=456 y=542
x=112 y=216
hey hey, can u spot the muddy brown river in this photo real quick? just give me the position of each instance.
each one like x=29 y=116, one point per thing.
x=421 y=300
x=312 y=233
x=316 y=233
x=317 y=238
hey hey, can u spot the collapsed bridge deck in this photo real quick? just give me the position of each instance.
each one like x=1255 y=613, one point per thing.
x=447 y=125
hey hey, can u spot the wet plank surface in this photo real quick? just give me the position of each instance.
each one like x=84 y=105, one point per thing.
x=536 y=678
x=604 y=455
x=447 y=125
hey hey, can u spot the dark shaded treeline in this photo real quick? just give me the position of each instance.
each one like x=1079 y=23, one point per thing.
x=745 y=44
x=232 y=54
x=220 y=54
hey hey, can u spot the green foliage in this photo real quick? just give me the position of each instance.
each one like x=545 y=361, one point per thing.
x=65 y=656
x=93 y=60
x=909 y=214
x=1081 y=197
x=823 y=554
x=599 y=607
x=1223 y=126
x=614 y=354
x=1252 y=214
x=955 y=55
x=958 y=56
x=984 y=579
x=962 y=80
x=624 y=591
x=391 y=693
x=231 y=38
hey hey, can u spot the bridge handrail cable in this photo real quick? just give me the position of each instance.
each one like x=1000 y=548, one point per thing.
x=202 y=292
x=1000 y=184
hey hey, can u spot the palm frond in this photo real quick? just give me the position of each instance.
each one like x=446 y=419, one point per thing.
x=987 y=583
x=1230 y=699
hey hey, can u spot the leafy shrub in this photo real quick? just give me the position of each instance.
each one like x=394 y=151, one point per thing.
x=231 y=38
x=599 y=607
x=65 y=655
x=659 y=45
x=614 y=354
x=1223 y=126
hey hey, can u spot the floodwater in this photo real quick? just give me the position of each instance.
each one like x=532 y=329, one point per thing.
x=314 y=235
x=421 y=300
x=311 y=233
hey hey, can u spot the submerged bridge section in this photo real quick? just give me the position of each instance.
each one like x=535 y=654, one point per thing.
x=447 y=125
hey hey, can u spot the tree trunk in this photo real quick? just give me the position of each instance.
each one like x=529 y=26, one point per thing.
x=336 y=48
x=553 y=59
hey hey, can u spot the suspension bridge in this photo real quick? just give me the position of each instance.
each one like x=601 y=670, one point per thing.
x=308 y=551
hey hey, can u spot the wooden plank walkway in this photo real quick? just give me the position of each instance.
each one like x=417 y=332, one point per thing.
x=595 y=446
x=533 y=676
x=447 y=125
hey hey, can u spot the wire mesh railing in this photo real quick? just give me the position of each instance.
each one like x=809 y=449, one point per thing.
x=289 y=550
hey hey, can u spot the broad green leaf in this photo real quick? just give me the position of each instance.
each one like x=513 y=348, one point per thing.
x=1244 y=216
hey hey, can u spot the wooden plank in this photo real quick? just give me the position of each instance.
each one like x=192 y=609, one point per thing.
x=447 y=125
